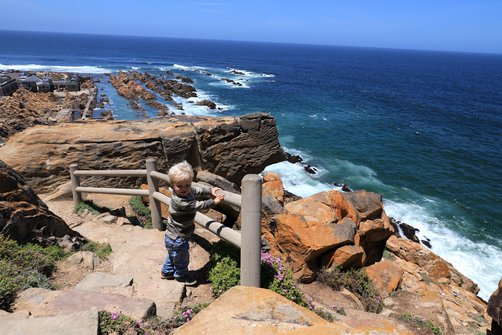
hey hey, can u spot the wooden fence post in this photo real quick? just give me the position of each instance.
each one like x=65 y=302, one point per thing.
x=251 y=230
x=153 y=186
x=75 y=182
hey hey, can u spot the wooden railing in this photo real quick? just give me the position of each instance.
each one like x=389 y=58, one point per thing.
x=248 y=239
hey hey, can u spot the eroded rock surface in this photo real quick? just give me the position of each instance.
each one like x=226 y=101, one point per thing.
x=230 y=147
x=24 y=217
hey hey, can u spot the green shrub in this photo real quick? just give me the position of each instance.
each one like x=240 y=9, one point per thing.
x=118 y=323
x=23 y=267
x=223 y=276
x=92 y=207
x=324 y=314
x=184 y=314
x=418 y=325
x=276 y=277
x=102 y=250
x=145 y=217
x=357 y=282
x=139 y=207
x=222 y=249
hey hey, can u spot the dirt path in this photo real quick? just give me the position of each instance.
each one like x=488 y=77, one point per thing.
x=137 y=252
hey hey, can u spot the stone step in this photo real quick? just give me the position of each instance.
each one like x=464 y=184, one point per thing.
x=80 y=323
x=42 y=302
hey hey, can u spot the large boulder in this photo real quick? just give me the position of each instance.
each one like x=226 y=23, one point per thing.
x=328 y=229
x=495 y=310
x=229 y=146
x=250 y=310
x=24 y=217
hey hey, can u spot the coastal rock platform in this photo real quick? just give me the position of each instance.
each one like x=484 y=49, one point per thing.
x=228 y=146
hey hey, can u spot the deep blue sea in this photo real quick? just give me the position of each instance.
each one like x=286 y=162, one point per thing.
x=421 y=128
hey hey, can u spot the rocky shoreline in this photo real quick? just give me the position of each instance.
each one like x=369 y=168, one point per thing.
x=345 y=228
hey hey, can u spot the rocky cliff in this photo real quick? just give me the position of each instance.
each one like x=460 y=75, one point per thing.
x=25 y=218
x=228 y=146
x=351 y=230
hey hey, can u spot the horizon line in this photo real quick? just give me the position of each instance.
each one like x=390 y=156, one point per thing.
x=254 y=41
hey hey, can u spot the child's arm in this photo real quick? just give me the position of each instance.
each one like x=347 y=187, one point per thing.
x=196 y=205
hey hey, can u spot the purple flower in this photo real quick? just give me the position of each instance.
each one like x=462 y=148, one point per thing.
x=114 y=316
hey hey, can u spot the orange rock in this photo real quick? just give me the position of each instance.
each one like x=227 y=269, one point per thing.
x=301 y=240
x=435 y=266
x=348 y=256
x=249 y=310
x=272 y=186
x=385 y=276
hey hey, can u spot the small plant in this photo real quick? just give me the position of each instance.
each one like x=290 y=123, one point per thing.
x=91 y=207
x=118 y=323
x=357 y=282
x=142 y=211
x=185 y=314
x=224 y=275
x=418 y=325
x=102 y=250
x=278 y=278
x=222 y=249
x=324 y=314
x=24 y=266
x=388 y=255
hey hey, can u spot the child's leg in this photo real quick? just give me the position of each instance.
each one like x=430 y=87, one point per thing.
x=168 y=267
x=178 y=257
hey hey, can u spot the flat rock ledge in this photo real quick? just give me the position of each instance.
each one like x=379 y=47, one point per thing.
x=80 y=323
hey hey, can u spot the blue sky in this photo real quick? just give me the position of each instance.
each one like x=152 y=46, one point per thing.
x=456 y=25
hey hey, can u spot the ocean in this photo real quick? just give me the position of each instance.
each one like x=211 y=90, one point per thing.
x=422 y=128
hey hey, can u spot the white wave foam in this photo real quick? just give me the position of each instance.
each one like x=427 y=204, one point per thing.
x=249 y=73
x=478 y=261
x=188 y=68
x=226 y=84
x=296 y=180
x=55 y=68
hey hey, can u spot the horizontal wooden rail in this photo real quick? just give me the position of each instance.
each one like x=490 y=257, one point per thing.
x=204 y=221
x=118 y=191
x=111 y=173
x=161 y=176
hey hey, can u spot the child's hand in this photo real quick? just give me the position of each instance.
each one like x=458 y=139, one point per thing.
x=219 y=198
x=215 y=191
x=218 y=194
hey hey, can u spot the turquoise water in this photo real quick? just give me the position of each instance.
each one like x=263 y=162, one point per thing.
x=421 y=128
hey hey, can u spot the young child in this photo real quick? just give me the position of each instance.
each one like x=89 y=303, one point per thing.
x=180 y=224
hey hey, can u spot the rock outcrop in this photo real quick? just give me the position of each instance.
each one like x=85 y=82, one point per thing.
x=25 y=109
x=351 y=229
x=249 y=310
x=326 y=229
x=230 y=147
x=495 y=310
x=26 y=218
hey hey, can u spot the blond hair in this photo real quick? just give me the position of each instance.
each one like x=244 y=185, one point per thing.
x=180 y=171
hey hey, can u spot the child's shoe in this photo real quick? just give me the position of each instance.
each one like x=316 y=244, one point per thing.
x=187 y=280
x=167 y=275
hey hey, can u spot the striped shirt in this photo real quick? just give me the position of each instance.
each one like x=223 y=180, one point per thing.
x=182 y=212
